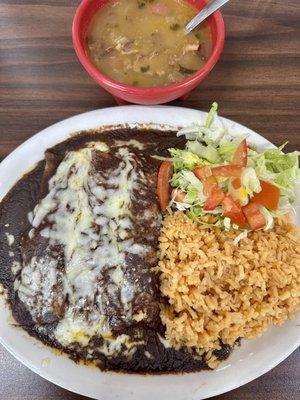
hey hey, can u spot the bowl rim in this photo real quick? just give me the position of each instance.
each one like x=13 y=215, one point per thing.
x=106 y=81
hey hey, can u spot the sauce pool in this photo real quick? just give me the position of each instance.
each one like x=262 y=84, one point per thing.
x=143 y=43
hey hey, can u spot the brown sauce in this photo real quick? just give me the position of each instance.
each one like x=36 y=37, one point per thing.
x=151 y=355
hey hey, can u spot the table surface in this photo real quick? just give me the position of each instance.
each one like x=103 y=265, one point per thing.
x=256 y=83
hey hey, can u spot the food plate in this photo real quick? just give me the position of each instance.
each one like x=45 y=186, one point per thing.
x=247 y=362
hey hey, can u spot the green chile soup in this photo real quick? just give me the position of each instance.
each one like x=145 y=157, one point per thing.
x=143 y=43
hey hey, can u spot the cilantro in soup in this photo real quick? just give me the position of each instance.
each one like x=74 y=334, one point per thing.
x=143 y=43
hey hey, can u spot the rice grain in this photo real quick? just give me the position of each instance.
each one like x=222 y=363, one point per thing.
x=218 y=291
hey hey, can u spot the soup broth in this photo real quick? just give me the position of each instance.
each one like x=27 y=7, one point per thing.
x=143 y=43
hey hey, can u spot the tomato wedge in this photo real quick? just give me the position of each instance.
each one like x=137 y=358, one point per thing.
x=205 y=176
x=254 y=216
x=236 y=183
x=233 y=210
x=202 y=172
x=228 y=170
x=210 y=188
x=208 y=184
x=215 y=198
x=163 y=186
x=240 y=155
x=268 y=196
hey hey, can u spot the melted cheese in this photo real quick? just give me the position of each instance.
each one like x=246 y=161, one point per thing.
x=100 y=146
x=16 y=266
x=114 y=346
x=164 y=342
x=87 y=213
x=39 y=276
x=10 y=238
x=131 y=142
x=76 y=329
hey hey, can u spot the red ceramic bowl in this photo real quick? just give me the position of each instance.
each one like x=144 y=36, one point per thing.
x=131 y=94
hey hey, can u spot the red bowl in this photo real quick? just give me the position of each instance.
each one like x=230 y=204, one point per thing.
x=132 y=94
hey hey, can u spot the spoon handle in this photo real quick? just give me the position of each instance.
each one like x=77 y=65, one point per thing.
x=213 y=6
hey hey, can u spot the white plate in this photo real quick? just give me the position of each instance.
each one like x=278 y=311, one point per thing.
x=247 y=362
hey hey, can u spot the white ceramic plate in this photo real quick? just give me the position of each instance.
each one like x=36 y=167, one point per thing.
x=246 y=363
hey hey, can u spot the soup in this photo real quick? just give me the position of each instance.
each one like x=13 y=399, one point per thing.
x=143 y=43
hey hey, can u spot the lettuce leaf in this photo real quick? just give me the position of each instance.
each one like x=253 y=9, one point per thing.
x=227 y=147
x=211 y=115
x=184 y=159
x=189 y=183
x=194 y=213
x=268 y=217
x=193 y=195
x=276 y=167
x=209 y=153
x=210 y=143
x=194 y=131
x=250 y=181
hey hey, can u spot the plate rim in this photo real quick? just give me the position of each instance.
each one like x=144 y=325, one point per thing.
x=76 y=120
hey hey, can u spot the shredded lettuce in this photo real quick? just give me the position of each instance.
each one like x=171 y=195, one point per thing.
x=227 y=223
x=209 y=153
x=227 y=147
x=192 y=132
x=210 y=144
x=160 y=158
x=239 y=194
x=214 y=135
x=197 y=211
x=250 y=181
x=181 y=206
x=189 y=183
x=193 y=195
x=194 y=213
x=284 y=207
x=211 y=115
x=183 y=159
x=210 y=133
x=268 y=217
x=278 y=168
x=183 y=179
x=241 y=236
x=217 y=210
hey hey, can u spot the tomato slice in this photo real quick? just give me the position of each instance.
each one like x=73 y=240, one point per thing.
x=214 y=199
x=236 y=183
x=163 y=186
x=240 y=155
x=233 y=210
x=268 y=196
x=210 y=187
x=227 y=170
x=205 y=176
x=208 y=184
x=202 y=172
x=254 y=216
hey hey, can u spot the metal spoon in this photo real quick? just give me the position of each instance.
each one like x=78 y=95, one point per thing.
x=213 y=6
